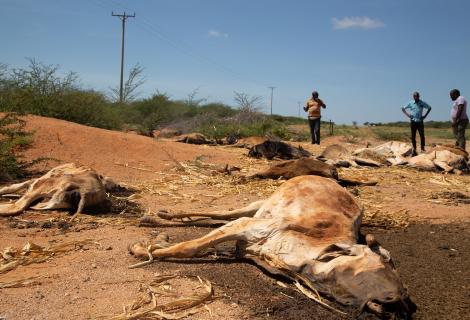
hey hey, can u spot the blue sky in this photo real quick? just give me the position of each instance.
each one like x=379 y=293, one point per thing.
x=365 y=57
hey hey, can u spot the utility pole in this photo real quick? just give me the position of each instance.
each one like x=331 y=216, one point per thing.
x=272 y=91
x=298 y=102
x=123 y=18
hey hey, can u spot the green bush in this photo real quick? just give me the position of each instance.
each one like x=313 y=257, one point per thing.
x=40 y=90
x=262 y=126
x=13 y=140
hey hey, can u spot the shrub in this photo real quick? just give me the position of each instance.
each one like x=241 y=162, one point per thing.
x=39 y=89
x=13 y=140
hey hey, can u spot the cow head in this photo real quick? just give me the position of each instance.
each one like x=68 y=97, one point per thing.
x=109 y=184
x=362 y=276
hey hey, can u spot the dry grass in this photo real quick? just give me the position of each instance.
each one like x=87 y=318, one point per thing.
x=11 y=257
x=169 y=297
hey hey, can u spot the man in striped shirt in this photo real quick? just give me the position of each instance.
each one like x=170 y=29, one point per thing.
x=313 y=107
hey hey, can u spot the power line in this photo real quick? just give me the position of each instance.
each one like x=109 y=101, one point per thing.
x=183 y=47
x=123 y=18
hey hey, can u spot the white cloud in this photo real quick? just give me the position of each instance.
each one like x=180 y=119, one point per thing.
x=357 y=23
x=217 y=34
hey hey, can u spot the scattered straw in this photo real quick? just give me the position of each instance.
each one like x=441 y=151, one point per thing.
x=161 y=288
x=11 y=258
x=27 y=282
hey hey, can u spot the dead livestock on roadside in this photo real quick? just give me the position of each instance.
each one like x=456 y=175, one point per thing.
x=195 y=138
x=339 y=156
x=271 y=149
x=298 y=167
x=67 y=186
x=444 y=160
x=390 y=149
x=440 y=158
x=249 y=142
x=306 y=166
x=308 y=231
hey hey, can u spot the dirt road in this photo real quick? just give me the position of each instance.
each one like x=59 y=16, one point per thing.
x=423 y=222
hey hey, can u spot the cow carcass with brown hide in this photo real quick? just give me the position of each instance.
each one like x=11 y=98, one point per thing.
x=299 y=167
x=308 y=231
x=271 y=149
x=195 y=138
x=249 y=142
x=306 y=166
x=67 y=186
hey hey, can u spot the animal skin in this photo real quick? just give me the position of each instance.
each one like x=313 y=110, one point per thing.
x=64 y=187
x=195 y=138
x=446 y=158
x=338 y=156
x=271 y=149
x=298 y=167
x=308 y=231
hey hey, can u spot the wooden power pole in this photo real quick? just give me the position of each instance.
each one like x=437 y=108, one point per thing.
x=272 y=91
x=123 y=18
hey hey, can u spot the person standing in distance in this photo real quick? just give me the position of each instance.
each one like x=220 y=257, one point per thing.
x=313 y=107
x=415 y=108
x=459 y=117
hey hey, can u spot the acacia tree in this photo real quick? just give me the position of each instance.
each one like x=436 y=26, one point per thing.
x=191 y=99
x=247 y=103
x=134 y=81
x=42 y=79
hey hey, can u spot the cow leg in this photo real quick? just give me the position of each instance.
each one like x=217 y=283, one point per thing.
x=240 y=229
x=16 y=187
x=11 y=209
x=443 y=165
x=81 y=206
x=248 y=211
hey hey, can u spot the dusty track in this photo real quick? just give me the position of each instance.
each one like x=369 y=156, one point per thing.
x=432 y=253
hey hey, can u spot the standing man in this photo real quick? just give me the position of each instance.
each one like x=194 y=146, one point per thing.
x=415 y=108
x=459 y=117
x=313 y=107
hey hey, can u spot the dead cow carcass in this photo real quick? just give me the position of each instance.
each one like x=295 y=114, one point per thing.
x=271 y=149
x=439 y=160
x=195 y=138
x=338 y=156
x=64 y=187
x=308 y=231
x=307 y=166
x=298 y=167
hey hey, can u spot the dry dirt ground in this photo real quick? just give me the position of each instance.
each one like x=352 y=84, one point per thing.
x=422 y=218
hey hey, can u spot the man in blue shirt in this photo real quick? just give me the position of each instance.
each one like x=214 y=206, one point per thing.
x=415 y=108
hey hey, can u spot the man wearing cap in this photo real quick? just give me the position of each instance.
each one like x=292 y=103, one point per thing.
x=459 y=117
x=313 y=107
x=414 y=111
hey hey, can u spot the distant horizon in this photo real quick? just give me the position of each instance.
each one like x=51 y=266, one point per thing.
x=365 y=58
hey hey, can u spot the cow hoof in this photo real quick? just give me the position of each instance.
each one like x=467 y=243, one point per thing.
x=371 y=241
x=165 y=215
x=138 y=249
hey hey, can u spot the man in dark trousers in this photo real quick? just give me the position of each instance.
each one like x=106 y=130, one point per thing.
x=313 y=107
x=414 y=111
x=459 y=117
